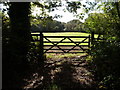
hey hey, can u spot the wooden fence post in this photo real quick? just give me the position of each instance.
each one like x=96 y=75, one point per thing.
x=41 y=51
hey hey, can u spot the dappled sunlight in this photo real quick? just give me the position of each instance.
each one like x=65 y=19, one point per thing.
x=63 y=73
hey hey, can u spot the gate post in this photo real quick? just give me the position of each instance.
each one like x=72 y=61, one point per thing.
x=92 y=41
x=41 y=51
x=89 y=45
x=92 y=38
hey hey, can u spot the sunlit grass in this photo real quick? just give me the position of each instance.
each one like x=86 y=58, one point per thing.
x=57 y=56
x=66 y=40
x=66 y=34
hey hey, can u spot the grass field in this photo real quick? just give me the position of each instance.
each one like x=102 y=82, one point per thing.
x=66 y=40
x=65 y=34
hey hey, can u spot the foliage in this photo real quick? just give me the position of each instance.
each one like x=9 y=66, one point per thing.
x=106 y=53
x=96 y=23
x=110 y=82
x=75 y=6
x=5 y=28
x=105 y=56
x=102 y=23
x=74 y=25
x=46 y=24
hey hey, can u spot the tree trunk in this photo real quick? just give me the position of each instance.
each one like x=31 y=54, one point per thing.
x=15 y=64
x=20 y=31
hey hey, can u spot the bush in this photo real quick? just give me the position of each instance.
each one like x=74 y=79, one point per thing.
x=106 y=57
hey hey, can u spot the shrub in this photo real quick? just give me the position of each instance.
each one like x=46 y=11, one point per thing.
x=106 y=57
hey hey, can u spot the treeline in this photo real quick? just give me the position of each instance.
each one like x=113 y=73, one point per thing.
x=49 y=24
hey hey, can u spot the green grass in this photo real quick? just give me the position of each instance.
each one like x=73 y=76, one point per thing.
x=67 y=34
x=64 y=33
x=58 y=56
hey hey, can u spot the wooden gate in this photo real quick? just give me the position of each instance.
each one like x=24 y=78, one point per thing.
x=61 y=44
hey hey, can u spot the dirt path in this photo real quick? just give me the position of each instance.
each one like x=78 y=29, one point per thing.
x=63 y=74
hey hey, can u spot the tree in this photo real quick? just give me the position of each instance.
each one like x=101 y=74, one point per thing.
x=102 y=24
x=20 y=25
x=15 y=61
x=46 y=24
x=97 y=23
x=106 y=53
x=74 y=25
x=112 y=9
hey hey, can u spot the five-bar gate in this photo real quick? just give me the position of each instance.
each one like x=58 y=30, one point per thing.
x=62 y=43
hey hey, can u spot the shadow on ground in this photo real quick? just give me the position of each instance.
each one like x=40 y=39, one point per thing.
x=62 y=74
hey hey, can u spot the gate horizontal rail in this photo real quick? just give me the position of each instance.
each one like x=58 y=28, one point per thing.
x=63 y=42
x=63 y=45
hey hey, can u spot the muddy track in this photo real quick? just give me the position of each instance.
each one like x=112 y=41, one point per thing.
x=62 y=74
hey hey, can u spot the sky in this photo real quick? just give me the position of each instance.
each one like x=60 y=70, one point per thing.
x=67 y=16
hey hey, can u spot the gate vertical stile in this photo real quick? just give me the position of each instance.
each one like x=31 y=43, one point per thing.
x=92 y=38
x=41 y=57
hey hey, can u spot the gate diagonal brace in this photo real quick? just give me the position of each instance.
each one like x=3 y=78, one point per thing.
x=81 y=42
x=55 y=44
x=77 y=44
